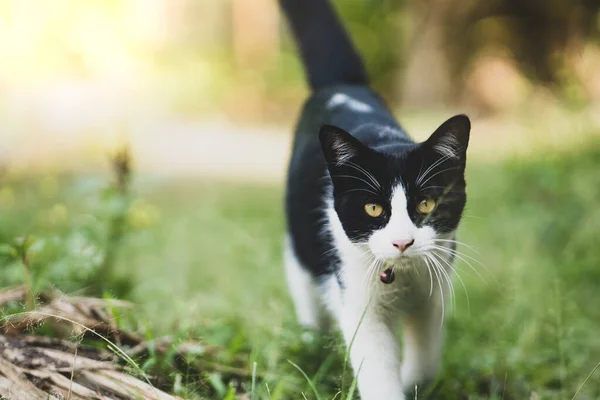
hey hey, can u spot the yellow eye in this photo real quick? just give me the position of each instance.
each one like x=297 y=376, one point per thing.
x=373 y=209
x=426 y=206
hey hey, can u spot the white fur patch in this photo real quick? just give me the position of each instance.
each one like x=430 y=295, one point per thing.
x=447 y=146
x=339 y=99
x=301 y=288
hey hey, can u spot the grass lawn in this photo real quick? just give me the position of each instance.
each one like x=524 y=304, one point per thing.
x=203 y=261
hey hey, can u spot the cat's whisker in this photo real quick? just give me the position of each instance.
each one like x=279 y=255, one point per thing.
x=457 y=252
x=449 y=264
x=357 y=178
x=373 y=265
x=441 y=296
x=438 y=280
x=369 y=262
x=326 y=252
x=420 y=169
x=364 y=171
x=437 y=163
x=439 y=172
x=448 y=281
x=466 y=255
x=376 y=268
x=433 y=187
x=469 y=215
x=360 y=190
x=341 y=269
x=457 y=242
x=460 y=256
x=432 y=166
x=441 y=276
x=426 y=259
x=417 y=271
x=371 y=274
x=369 y=257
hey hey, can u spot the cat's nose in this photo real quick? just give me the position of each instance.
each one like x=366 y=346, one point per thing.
x=402 y=245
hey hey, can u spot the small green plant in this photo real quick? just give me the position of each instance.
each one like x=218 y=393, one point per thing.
x=118 y=197
x=21 y=250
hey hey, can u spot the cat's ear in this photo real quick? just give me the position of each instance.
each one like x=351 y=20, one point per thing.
x=338 y=145
x=452 y=138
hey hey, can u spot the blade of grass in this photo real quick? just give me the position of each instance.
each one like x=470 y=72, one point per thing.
x=347 y=355
x=310 y=383
x=325 y=366
x=585 y=381
x=253 y=389
x=353 y=385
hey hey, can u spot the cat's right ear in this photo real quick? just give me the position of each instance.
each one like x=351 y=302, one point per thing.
x=338 y=145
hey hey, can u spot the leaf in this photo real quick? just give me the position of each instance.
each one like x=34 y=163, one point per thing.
x=353 y=385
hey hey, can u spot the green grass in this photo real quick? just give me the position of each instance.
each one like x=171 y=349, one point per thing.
x=203 y=261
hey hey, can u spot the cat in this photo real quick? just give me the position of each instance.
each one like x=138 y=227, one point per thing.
x=371 y=214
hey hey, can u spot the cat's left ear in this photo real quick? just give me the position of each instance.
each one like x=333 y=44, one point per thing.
x=452 y=138
x=338 y=145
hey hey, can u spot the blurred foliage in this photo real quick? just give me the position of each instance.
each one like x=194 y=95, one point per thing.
x=79 y=226
x=543 y=40
x=539 y=35
x=194 y=58
x=376 y=30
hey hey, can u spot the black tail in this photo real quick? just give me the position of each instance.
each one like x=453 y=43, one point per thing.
x=327 y=52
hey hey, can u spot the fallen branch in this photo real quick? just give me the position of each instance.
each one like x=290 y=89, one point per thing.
x=56 y=368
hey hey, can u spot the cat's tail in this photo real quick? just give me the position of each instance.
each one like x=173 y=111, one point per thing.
x=327 y=52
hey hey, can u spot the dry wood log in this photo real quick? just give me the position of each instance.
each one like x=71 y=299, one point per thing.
x=34 y=367
x=83 y=316
x=56 y=371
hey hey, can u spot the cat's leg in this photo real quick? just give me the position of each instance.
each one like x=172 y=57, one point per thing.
x=301 y=289
x=423 y=335
x=373 y=349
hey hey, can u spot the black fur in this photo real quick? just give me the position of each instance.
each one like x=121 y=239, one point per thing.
x=366 y=127
x=327 y=52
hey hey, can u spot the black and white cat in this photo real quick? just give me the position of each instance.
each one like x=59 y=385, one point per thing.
x=371 y=214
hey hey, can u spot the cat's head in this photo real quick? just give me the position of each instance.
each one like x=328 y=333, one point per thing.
x=401 y=201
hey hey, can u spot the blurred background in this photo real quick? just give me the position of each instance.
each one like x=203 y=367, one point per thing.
x=205 y=95
x=196 y=85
